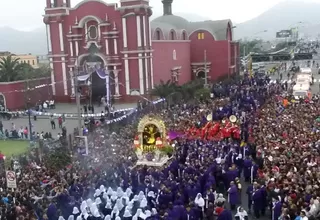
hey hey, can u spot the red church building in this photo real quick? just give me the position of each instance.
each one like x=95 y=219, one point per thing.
x=122 y=54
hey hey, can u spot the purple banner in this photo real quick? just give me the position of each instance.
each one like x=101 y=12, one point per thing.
x=173 y=135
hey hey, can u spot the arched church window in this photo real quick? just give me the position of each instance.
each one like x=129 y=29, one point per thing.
x=184 y=36
x=174 y=55
x=171 y=35
x=158 y=35
x=93 y=32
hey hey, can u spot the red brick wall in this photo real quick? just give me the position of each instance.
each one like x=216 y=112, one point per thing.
x=217 y=53
x=16 y=95
x=163 y=60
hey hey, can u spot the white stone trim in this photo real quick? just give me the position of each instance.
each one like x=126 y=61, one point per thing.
x=151 y=72
x=49 y=38
x=146 y=71
x=175 y=41
x=107 y=46
x=72 y=75
x=86 y=31
x=126 y=73
x=99 y=32
x=139 y=31
x=135 y=58
x=144 y=31
x=124 y=30
x=136 y=51
x=150 y=34
x=71 y=48
x=116 y=80
x=64 y=76
x=77 y=48
x=115 y=44
x=79 y=58
x=53 y=86
x=141 y=77
x=100 y=1
x=61 y=37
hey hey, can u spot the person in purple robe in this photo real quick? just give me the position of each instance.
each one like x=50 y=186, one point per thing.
x=264 y=200
x=225 y=215
x=233 y=195
x=256 y=200
x=52 y=212
x=249 y=192
x=232 y=174
x=276 y=208
x=247 y=164
x=190 y=212
x=254 y=171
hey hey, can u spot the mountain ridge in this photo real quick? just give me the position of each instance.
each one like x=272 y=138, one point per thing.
x=35 y=41
x=282 y=16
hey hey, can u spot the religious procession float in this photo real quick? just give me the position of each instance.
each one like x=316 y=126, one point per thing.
x=151 y=143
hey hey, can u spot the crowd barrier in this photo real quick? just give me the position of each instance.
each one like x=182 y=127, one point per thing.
x=67 y=115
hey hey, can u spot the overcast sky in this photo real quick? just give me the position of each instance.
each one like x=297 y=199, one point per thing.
x=27 y=14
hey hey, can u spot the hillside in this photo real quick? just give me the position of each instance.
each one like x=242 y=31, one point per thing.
x=21 y=42
x=35 y=42
x=282 y=16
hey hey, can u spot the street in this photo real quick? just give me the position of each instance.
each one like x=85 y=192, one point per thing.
x=316 y=83
x=43 y=123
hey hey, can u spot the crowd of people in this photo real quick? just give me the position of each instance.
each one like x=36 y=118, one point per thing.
x=269 y=169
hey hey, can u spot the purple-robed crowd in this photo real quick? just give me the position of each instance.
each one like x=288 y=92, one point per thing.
x=191 y=186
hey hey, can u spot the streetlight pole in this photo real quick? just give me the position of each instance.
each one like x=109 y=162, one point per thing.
x=205 y=69
x=77 y=96
x=29 y=118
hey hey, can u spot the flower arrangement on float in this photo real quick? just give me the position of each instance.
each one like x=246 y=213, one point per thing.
x=137 y=148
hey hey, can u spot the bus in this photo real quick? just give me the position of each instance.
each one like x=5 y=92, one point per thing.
x=301 y=78
x=302 y=91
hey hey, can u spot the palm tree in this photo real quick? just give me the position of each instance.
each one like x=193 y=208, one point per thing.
x=164 y=89
x=10 y=68
x=188 y=90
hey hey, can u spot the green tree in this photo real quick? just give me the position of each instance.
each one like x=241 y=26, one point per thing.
x=164 y=89
x=44 y=70
x=24 y=72
x=202 y=94
x=188 y=90
x=10 y=69
x=249 y=46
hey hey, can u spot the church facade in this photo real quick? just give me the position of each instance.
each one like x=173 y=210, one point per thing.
x=134 y=53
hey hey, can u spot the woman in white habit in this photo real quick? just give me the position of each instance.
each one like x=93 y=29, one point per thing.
x=241 y=214
x=199 y=201
x=127 y=215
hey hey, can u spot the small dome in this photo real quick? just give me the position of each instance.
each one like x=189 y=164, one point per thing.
x=176 y=21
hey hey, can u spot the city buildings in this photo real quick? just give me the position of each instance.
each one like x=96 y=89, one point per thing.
x=23 y=58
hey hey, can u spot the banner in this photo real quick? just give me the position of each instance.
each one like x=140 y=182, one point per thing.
x=284 y=34
x=81 y=144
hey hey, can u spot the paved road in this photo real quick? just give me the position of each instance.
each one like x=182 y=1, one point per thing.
x=316 y=85
x=43 y=124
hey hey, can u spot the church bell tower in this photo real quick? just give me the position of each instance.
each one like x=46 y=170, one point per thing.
x=137 y=44
x=55 y=12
